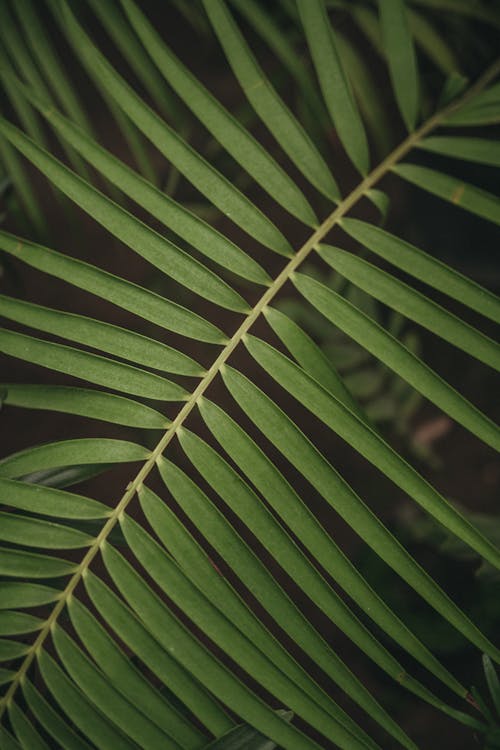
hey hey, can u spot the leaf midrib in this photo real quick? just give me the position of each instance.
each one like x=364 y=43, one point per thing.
x=287 y=272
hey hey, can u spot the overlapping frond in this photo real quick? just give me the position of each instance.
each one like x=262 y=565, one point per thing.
x=162 y=617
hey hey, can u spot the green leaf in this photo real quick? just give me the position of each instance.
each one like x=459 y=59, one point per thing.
x=477 y=150
x=157 y=658
x=50 y=502
x=129 y=680
x=364 y=89
x=65 y=476
x=271 y=31
x=412 y=305
x=97 y=334
x=235 y=643
x=334 y=84
x=126 y=41
x=453 y=190
x=234 y=138
x=6 y=676
x=309 y=356
x=432 y=43
x=20 y=564
x=32 y=532
x=132 y=297
x=492 y=681
x=51 y=721
x=257 y=579
x=401 y=57
x=368 y=443
x=159 y=251
x=23 y=187
x=174 y=215
x=106 y=698
x=79 y=709
x=8 y=742
x=14 y=623
x=85 y=402
x=199 y=569
x=91 y=367
x=199 y=172
x=68 y=452
x=15 y=41
x=203 y=665
x=13 y=594
x=425 y=267
x=482 y=109
x=283 y=433
x=244 y=737
x=267 y=103
x=25 y=731
x=242 y=501
x=12 y=649
x=395 y=355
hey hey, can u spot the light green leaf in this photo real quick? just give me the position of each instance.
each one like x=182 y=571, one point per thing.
x=270 y=29
x=147 y=243
x=334 y=84
x=132 y=50
x=132 y=297
x=425 y=267
x=157 y=658
x=79 y=709
x=12 y=649
x=267 y=103
x=32 y=532
x=309 y=356
x=401 y=57
x=6 y=676
x=477 y=150
x=244 y=737
x=20 y=564
x=364 y=89
x=91 y=367
x=52 y=721
x=257 y=578
x=224 y=127
x=482 y=109
x=199 y=569
x=368 y=443
x=203 y=665
x=129 y=680
x=15 y=40
x=14 y=623
x=453 y=190
x=97 y=334
x=204 y=614
x=50 y=502
x=85 y=402
x=395 y=355
x=412 y=304
x=492 y=681
x=71 y=452
x=199 y=172
x=300 y=452
x=25 y=731
x=13 y=594
x=106 y=698
x=174 y=215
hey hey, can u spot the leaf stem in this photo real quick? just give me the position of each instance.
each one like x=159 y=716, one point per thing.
x=341 y=210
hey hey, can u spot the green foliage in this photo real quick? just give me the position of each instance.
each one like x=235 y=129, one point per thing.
x=163 y=615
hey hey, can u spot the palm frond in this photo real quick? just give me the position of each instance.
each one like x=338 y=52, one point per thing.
x=169 y=612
